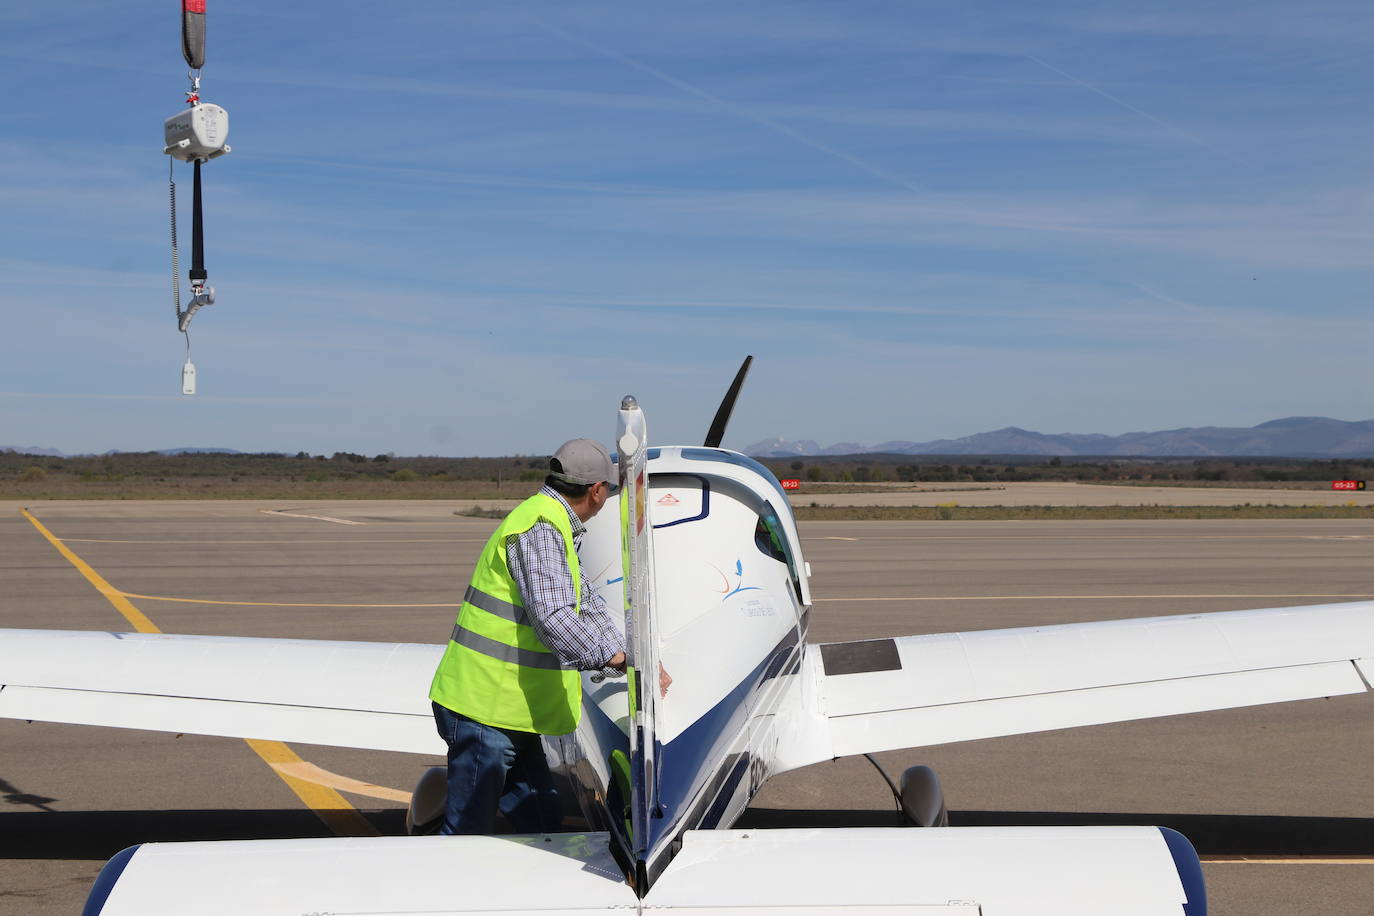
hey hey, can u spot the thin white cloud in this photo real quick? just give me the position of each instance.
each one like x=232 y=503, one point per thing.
x=1167 y=125
x=1330 y=23
x=741 y=111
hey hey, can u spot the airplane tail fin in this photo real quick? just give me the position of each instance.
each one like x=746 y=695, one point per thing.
x=636 y=555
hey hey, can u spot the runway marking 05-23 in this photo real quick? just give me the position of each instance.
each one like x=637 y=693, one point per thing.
x=329 y=806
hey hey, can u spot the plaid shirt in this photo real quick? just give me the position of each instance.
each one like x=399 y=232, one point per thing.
x=539 y=566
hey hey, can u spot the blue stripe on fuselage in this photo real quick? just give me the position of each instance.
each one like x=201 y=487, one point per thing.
x=681 y=760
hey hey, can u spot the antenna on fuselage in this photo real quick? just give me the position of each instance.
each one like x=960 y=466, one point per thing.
x=727 y=406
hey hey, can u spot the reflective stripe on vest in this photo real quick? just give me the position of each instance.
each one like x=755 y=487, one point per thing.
x=493 y=605
x=496 y=669
x=529 y=658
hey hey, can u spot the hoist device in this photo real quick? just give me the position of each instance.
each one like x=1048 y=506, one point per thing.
x=195 y=135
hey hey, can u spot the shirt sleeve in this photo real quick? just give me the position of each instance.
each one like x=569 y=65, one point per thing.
x=539 y=566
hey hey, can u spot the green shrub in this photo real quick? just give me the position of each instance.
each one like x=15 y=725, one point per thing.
x=404 y=475
x=33 y=472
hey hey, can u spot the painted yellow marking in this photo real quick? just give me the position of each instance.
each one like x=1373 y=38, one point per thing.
x=329 y=806
x=132 y=614
x=268 y=603
x=318 y=518
x=338 y=540
x=308 y=772
x=1072 y=597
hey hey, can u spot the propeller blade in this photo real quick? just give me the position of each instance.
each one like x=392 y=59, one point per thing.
x=727 y=406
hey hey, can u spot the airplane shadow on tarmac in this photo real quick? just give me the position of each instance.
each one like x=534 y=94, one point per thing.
x=42 y=833
x=100 y=834
x=1211 y=834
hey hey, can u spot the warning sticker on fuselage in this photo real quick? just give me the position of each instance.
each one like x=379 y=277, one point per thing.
x=676 y=498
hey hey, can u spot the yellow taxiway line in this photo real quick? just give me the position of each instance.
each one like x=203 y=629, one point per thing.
x=270 y=603
x=338 y=540
x=132 y=614
x=322 y=777
x=329 y=806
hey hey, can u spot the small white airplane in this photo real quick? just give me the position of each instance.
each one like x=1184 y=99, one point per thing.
x=702 y=552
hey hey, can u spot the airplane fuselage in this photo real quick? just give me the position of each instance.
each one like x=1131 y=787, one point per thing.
x=729 y=610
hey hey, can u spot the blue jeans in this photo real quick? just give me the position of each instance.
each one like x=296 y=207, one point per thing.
x=491 y=769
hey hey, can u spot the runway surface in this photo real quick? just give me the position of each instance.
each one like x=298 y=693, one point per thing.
x=1286 y=787
x=1080 y=494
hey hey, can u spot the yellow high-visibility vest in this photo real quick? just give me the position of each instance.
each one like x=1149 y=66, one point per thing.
x=496 y=670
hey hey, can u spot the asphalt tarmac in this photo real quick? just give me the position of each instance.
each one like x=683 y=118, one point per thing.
x=1285 y=788
x=1078 y=494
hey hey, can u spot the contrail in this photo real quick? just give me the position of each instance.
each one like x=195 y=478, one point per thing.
x=762 y=121
x=1144 y=114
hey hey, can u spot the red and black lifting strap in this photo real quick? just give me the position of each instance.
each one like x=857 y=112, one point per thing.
x=193 y=33
x=193 y=49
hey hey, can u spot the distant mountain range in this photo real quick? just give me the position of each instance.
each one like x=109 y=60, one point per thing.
x=1292 y=437
x=35 y=450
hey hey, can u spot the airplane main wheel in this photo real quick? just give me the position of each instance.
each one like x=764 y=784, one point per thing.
x=923 y=801
x=426 y=812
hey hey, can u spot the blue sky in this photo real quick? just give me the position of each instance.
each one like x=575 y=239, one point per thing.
x=469 y=228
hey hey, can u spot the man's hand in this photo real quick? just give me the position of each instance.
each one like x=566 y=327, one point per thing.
x=617 y=662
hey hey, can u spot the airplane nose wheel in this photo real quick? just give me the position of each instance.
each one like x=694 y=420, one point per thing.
x=426 y=811
x=923 y=801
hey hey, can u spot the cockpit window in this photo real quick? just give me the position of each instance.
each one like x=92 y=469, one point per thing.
x=771 y=540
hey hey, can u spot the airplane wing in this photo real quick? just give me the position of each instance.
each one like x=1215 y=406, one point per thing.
x=886 y=694
x=345 y=694
x=972 y=871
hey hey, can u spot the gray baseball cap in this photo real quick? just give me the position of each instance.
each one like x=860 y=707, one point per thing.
x=583 y=461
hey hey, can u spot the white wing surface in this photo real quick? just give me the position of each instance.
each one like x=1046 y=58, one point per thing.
x=971 y=871
x=345 y=694
x=915 y=691
x=419 y=876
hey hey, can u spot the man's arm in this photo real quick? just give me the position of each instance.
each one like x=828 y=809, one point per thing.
x=598 y=616
x=539 y=566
